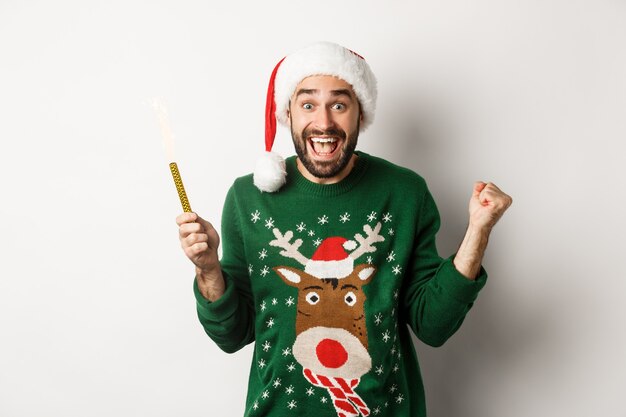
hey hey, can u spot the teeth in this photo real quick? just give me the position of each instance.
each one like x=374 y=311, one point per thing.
x=324 y=140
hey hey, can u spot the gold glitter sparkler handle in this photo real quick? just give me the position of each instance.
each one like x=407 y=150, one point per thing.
x=180 y=187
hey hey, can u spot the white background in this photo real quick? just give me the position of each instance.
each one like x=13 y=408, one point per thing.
x=97 y=316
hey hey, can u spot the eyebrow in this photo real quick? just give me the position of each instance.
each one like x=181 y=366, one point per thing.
x=313 y=286
x=334 y=93
x=348 y=286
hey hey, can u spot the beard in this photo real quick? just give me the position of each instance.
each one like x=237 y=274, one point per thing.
x=325 y=169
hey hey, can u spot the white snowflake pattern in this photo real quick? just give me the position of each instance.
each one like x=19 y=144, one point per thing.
x=309 y=391
x=265 y=271
x=391 y=232
x=371 y=216
x=322 y=220
x=270 y=323
x=301 y=227
x=292 y=404
x=387 y=217
x=396 y=368
x=369 y=259
x=391 y=256
x=269 y=223
x=289 y=390
x=263 y=306
x=255 y=217
x=399 y=398
x=311 y=233
x=250 y=269
x=376 y=411
x=386 y=404
x=286 y=351
x=255 y=405
x=289 y=301
x=263 y=254
x=291 y=367
x=378 y=318
x=379 y=370
x=393 y=350
x=386 y=336
x=345 y=217
x=276 y=383
x=267 y=346
x=323 y=400
x=274 y=301
x=262 y=363
x=396 y=269
x=393 y=388
x=317 y=242
x=265 y=395
x=396 y=293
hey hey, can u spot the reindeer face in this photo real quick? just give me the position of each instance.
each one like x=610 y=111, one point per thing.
x=331 y=337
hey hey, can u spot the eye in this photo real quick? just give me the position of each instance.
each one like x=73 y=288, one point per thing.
x=307 y=106
x=339 y=106
x=312 y=298
x=350 y=298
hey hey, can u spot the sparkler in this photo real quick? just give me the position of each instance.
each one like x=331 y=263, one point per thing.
x=168 y=144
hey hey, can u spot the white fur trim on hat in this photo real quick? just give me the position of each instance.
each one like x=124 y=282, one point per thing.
x=325 y=58
x=330 y=269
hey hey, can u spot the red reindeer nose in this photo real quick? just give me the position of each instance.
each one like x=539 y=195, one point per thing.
x=331 y=353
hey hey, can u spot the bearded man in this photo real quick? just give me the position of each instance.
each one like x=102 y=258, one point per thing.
x=329 y=257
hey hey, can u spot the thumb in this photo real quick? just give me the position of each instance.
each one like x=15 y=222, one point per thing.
x=207 y=226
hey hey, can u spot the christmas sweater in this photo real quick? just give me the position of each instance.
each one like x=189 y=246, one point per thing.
x=327 y=280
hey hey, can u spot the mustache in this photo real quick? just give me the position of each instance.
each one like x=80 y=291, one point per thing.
x=329 y=132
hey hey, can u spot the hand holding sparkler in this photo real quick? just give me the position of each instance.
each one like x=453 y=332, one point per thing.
x=198 y=237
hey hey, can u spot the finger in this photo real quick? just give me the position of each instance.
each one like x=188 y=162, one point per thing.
x=189 y=217
x=194 y=238
x=195 y=250
x=187 y=228
x=478 y=187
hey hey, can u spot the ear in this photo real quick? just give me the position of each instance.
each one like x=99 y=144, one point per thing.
x=291 y=276
x=365 y=273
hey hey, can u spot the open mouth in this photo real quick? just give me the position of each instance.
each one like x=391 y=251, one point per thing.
x=323 y=146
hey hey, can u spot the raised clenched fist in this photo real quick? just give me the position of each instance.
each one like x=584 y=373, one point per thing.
x=487 y=204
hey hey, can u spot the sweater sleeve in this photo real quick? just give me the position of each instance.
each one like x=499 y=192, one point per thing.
x=229 y=321
x=436 y=297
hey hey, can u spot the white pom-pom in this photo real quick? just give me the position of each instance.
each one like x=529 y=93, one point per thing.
x=270 y=172
x=349 y=245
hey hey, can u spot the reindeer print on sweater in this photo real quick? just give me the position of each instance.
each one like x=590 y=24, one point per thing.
x=331 y=333
x=329 y=272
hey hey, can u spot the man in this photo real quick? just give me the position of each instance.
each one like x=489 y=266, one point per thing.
x=328 y=258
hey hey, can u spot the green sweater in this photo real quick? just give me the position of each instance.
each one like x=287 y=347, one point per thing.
x=325 y=279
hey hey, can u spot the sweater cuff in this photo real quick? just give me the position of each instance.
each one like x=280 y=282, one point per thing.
x=221 y=309
x=457 y=285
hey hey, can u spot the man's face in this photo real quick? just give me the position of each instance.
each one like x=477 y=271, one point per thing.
x=324 y=115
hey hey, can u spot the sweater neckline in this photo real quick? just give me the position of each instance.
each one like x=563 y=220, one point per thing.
x=299 y=182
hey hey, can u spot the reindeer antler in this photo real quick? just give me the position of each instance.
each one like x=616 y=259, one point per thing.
x=290 y=249
x=365 y=244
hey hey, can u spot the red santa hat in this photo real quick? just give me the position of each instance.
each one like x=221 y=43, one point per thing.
x=322 y=58
x=330 y=260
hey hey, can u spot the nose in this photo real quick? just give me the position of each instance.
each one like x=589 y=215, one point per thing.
x=324 y=119
x=331 y=353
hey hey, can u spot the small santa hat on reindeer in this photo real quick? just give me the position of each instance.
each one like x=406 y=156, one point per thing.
x=322 y=58
x=331 y=260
